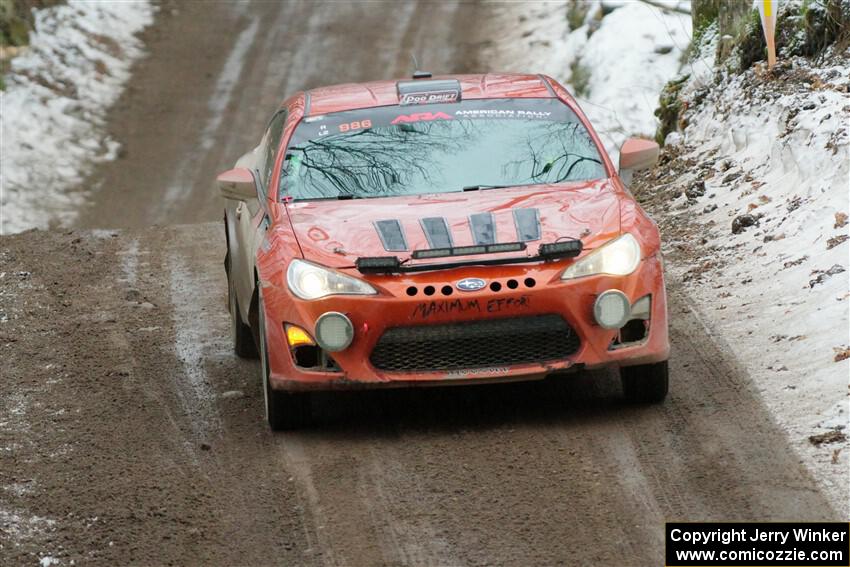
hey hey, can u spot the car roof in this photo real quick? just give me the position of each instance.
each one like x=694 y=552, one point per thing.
x=352 y=96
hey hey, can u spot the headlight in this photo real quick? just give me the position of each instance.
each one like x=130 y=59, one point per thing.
x=311 y=281
x=619 y=257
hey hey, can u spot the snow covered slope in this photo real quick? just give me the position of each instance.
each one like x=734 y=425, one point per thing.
x=754 y=206
x=770 y=150
x=53 y=109
x=636 y=49
x=615 y=62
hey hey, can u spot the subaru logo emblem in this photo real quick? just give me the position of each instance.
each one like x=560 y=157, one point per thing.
x=470 y=284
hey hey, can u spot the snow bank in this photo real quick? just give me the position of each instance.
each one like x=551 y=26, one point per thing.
x=776 y=149
x=630 y=57
x=772 y=156
x=624 y=58
x=53 y=110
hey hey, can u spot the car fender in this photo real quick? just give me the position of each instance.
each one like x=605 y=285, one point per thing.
x=240 y=262
x=240 y=248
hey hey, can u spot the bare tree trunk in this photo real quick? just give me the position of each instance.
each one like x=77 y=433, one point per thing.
x=730 y=14
x=731 y=17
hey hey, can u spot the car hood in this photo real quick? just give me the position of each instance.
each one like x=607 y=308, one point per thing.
x=335 y=233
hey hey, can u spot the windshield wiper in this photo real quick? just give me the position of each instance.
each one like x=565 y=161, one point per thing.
x=345 y=197
x=485 y=187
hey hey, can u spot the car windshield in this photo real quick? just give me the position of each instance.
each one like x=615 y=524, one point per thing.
x=441 y=148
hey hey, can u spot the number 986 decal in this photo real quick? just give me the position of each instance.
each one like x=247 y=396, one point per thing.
x=355 y=125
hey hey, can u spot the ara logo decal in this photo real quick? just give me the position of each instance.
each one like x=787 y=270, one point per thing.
x=420 y=117
x=470 y=284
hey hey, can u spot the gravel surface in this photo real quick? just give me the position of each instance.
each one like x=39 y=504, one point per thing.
x=130 y=433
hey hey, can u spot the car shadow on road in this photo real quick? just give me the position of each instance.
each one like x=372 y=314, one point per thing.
x=583 y=395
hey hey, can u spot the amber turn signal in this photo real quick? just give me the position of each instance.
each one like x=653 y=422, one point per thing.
x=296 y=336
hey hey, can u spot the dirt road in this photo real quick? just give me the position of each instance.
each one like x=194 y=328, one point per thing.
x=129 y=432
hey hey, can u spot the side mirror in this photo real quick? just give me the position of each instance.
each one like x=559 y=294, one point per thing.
x=637 y=154
x=237 y=184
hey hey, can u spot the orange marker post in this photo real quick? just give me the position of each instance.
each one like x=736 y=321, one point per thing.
x=767 y=10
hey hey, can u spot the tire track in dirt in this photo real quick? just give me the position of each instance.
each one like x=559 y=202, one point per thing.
x=216 y=105
x=109 y=458
x=353 y=498
x=404 y=541
x=193 y=342
x=316 y=519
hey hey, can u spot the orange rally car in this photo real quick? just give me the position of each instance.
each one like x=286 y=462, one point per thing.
x=452 y=230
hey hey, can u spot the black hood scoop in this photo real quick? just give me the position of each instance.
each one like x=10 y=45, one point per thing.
x=439 y=235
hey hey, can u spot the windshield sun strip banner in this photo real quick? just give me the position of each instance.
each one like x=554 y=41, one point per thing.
x=351 y=122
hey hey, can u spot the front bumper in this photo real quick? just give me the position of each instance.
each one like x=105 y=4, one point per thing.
x=538 y=292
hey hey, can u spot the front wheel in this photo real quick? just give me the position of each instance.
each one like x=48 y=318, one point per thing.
x=645 y=384
x=284 y=410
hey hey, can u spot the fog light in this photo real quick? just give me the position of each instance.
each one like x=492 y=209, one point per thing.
x=334 y=331
x=611 y=309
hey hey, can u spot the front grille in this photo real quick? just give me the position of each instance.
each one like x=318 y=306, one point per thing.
x=475 y=344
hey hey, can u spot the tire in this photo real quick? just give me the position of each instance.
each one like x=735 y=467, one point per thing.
x=284 y=410
x=240 y=333
x=645 y=384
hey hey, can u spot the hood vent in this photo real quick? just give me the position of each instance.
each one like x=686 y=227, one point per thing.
x=527 y=223
x=439 y=235
x=392 y=236
x=483 y=228
x=437 y=232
